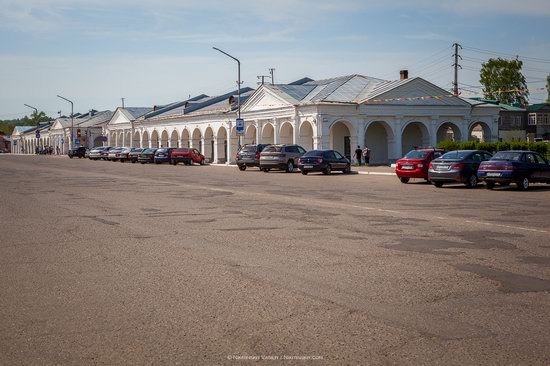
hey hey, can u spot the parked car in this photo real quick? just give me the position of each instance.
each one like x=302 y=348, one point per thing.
x=95 y=153
x=87 y=153
x=187 y=156
x=249 y=155
x=124 y=154
x=459 y=166
x=162 y=155
x=134 y=154
x=112 y=155
x=284 y=157
x=77 y=152
x=519 y=167
x=147 y=156
x=323 y=161
x=415 y=164
x=105 y=153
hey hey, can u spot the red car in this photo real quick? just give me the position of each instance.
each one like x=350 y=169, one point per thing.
x=415 y=164
x=187 y=156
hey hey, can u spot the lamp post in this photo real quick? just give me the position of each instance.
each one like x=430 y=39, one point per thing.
x=238 y=87
x=72 y=120
x=37 y=123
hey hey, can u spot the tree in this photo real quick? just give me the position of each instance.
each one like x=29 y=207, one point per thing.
x=503 y=80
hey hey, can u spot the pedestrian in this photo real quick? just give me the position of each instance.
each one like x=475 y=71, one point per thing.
x=358 y=153
x=366 y=155
x=57 y=150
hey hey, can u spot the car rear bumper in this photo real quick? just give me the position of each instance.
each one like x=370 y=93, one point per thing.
x=273 y=164
x=449 y=177
x=312 y=167
x=163 y=159
x=248 y=162
x=504 y=176
x=413 y=173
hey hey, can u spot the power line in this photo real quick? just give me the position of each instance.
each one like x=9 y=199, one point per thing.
x=533 y=59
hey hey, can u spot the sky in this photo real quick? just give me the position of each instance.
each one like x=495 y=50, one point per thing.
x=95 y=52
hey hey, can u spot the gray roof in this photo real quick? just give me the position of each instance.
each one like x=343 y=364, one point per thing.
x=21 y=129
x=98 y=118
x=138 y=111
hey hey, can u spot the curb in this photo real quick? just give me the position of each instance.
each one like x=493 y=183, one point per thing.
x=352 y=172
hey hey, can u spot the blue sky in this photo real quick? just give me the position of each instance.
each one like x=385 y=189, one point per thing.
x=97 y=51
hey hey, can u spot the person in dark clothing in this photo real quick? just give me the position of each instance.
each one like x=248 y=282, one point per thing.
x=358 y=153
x=366 y=155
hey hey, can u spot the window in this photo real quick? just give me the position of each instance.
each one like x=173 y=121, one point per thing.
x=544 y=119
x=338 y=155
x=530 y=158
x=329 y=155
x=301 y=150
x=539 y=159
x=532 y=119
x=476 y=157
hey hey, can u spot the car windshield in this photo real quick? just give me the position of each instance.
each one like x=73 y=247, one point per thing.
x=414 y=154
x=161 y=150
x=507 y=155
x=273 y=148
x=249 y=148
x=182 y=150
x=314 y=153
x=149 y=151
x=455 y=155
x=137 y=149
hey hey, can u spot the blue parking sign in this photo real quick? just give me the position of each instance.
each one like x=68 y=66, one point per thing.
x=240 y=126
x=77 y=141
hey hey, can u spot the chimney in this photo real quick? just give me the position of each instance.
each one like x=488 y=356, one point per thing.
x=403 y=74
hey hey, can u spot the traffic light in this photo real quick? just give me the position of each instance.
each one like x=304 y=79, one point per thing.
x=78 y=133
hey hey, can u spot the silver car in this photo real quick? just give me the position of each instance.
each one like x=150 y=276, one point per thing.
x=95 y=153
x=284 y=157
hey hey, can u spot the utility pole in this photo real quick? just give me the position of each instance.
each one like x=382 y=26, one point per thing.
x=456 y=66
x=272 y=78
x=263 y=78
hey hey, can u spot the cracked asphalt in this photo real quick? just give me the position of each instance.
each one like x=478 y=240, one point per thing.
x=110 y=263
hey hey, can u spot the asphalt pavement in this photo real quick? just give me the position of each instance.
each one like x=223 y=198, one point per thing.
x=110 y=263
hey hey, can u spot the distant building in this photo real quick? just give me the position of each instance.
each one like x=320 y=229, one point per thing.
x=538 y=122
x=5 y=143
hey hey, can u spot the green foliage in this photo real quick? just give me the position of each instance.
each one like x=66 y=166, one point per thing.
x=7 y=126
x=540 y=147
x=500 y=76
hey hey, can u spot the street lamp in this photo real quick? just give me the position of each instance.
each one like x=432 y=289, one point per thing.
x=31 y=107
x=72 y=121
x=238 y=86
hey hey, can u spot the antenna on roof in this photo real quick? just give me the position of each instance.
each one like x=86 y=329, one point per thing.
x=263 y=78
x=271 y=71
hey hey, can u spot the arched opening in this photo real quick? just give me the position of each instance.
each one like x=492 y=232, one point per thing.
x=340 y=138
x=479 y=131
x=155 y=143
x=286 y=133
x=221 y=145
x=164 y=139
x=120 y=139
x=209 y=144
x=128 y=138
x=196 y=140
x=414 y=135
x=377 y=137
x=185 y=138
x=112 y=139
x=174 y=139
x=98 y=141
x=145 y=140
x=136 y=140
x=448 y=132
x=250 y=135
x=268 y=136
x=305 y=139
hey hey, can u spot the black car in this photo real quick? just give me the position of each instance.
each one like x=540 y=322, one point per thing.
x=459 y=166
x=147 y=156
x=163 y=154
x=249 y=155
x=134 y=154
x=519 y=167
x=323 y=161
x=77 y=152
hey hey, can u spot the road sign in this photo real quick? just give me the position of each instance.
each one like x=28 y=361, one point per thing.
x=37 y=134
x=240 y=126
x=77 y=141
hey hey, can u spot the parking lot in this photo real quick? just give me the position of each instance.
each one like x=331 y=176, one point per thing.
x=103 y=262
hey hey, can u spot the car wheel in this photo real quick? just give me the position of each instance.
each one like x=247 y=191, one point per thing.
x=472 y=181
x=524 y=184
x=70 y=157
x=242 y=167
x=404 y=179
x=289 y=166
x=327 y=170
x=266 y=170
x=304 y=172
x=438 y=184
x=489 y=185
x=347 y=170
x=80 y=157
x=202 y=162
x=133 y=161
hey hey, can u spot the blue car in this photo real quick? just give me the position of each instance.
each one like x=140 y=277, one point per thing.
x=519 y=167
x=162 y=155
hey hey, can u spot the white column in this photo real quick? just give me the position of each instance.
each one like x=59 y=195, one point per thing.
x=275 y=131
x=397 y=148
x=215 y=152
x=296 y=124
x=229 y=152
x=433 y=131
x=202 y=147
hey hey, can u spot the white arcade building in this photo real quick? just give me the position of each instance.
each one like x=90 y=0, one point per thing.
x=390 y=117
